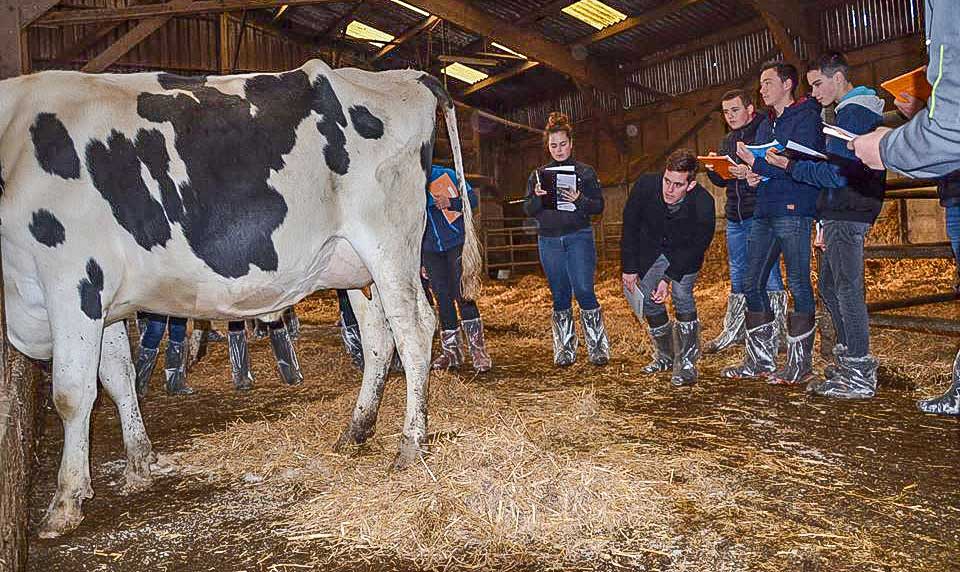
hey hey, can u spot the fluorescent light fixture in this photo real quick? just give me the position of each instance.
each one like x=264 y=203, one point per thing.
x=595 y=13
x=359 y=30
x=503 y=48
x=464 y=73
x=411 y=7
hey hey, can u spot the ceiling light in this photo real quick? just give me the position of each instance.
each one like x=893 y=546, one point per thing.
x=503 y=48
x=359 y=30
x=411 y=7
x=464 y=73
x=595 y=13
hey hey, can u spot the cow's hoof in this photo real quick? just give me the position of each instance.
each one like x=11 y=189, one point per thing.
x=408 y=455
x=63 y=515
x=349 y=439
x=136 y=482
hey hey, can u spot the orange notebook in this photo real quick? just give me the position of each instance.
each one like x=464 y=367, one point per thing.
x=443 y=187
x=913 y=82
x=721 y=164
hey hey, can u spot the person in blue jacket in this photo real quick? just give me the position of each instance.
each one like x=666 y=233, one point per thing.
x=441 y=251
x=783 y=218
x=849 y=203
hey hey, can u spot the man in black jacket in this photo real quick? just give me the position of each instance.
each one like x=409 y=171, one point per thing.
x=668 y=223
x=741 y=116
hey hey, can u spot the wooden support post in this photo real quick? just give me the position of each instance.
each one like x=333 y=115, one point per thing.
x=223 y=43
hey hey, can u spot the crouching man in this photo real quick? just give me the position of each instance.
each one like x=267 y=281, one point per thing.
x=668 y=223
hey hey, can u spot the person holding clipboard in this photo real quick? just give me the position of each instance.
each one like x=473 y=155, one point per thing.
x=562 y=196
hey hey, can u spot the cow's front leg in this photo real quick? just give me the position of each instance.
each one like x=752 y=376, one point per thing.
x=117 y=376
x=378 y=348
x=76 y=357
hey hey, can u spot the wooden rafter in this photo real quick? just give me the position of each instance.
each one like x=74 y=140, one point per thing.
x=532 y=44
x=654 y=92
x=30 y=11
x=547 y=9
x=339 y=23
x=638 y=20
x=793 y=15
x=468 y=60
x=502 y=76
x=101 y=15
x=410 y=33
x=780 y=35
x=137 y=34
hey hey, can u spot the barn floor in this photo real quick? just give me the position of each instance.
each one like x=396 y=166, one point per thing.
x=533 y=468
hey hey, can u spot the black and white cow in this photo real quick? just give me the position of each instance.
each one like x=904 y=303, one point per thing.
x=212 y=197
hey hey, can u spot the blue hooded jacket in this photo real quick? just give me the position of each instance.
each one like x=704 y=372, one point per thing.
x=441 y=235
x=780 y=194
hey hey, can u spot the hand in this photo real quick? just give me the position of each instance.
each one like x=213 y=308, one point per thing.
x=753 y=179
x=569 y=195
x=538 y=190
x=776 y=159
x=709 y=166
x=745 y=155
x=867 y=148
x=662 y=293
x=740 y=171
x=629 y=281
x=442 y=202
x=909 y=105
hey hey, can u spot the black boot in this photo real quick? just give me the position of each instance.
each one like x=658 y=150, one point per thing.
x=240 y=360
x=760 y=358
x=686 y=344
x=662 y=337
x=146 y=361
x=286 y=355
x=799 y=364
x=949 y=402
x=352 y=342
x=175 y=369
x=734 y=326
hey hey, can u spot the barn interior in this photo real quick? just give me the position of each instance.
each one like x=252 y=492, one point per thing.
x=531 y=467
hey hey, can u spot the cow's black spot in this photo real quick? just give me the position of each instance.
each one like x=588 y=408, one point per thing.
x=90 y=289
x=53 y=147
x=152 y=150
x=46 y=228
x=365 y=123
x=2 y=183
x=115 y=170
x=426 y=158
x=173 y=81
x=434 y=85
x=327 y=104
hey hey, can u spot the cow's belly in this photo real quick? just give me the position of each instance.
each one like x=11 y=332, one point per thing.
x=28 y=325
x=341 y=267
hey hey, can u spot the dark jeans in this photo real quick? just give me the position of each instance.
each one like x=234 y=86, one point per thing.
x=347 y=317
x=681 y=292
x=444 y=271
x=569 y=261
x=769 y=238
x=153 y=333
x=738 y=233
x=841 y=284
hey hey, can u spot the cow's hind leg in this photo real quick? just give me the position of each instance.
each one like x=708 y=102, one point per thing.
x=76 y=357
x=378 y=347
x=117 y=377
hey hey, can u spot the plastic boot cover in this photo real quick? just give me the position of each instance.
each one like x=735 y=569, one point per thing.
x=595 y=335
x=662 y=337
x=240 y=360
x=142 y=328
x=286 y=356
x=686 y=342
x=778 y=303
x=761 y=348
x=175 y=369
x=396 y=364
x=565 y=340
x=473 y=331
x=352 y=342
x=215 y=336
x=799 y=364
x=734 y=325
x=854 y=378
x=831 y=370
x=451 y=353
x=146 y=360
x=259 y=328
x=292 y=322
x=949 y=402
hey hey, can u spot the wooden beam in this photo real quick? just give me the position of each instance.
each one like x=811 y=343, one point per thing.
x=793 y=15
x=101 y=15
x=649 y=90
x=531 y=44
x=125 y=43
x=503 y=76
x=633 y=21
x=499 y=56
x=783 y=41
x=336 y=26
x=468 y=60
x=547 y=9
x=223 y=43
x=498 y=119
x=33 y=9
x=410 y=33
x=12 y=40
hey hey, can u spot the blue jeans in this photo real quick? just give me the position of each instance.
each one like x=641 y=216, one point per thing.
x=841 y=284
x=737 y=235
x=154 y=330
x=681 y=292
x=769 y=238
x=953 y=228
x=569 y=261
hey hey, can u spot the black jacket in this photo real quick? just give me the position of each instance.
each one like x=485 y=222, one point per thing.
x=740 y=197
x=649 y=229
x=558 y=223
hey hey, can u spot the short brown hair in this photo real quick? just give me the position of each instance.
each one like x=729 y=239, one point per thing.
x=745 y=98
x=557 y=123
x=683 y=161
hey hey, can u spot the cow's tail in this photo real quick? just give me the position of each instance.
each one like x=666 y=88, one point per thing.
x=472 y=261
